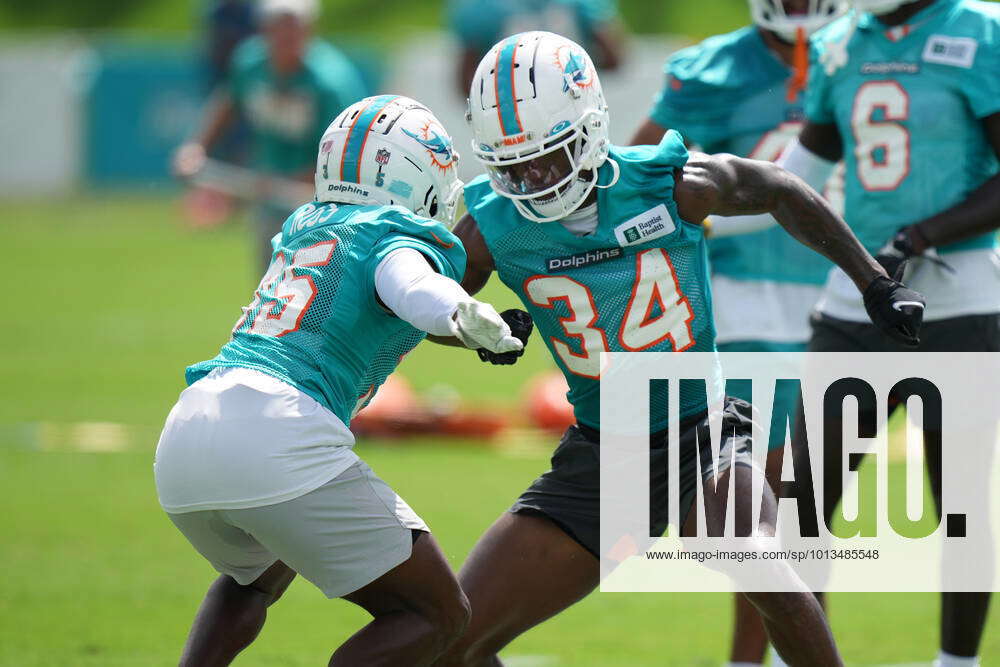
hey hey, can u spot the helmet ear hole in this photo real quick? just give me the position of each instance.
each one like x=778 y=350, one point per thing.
x=433 y=209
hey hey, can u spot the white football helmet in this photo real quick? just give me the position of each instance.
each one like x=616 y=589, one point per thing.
x=389 y=150
x=774 y=16
x=539 y=121
x=879 y=7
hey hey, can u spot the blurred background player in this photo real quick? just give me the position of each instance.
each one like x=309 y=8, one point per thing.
x=541 y=130
x=287 y=84
x=742 y=93
x=907 y=94
x=228 y=23
x=256 y=464
x=479 y=24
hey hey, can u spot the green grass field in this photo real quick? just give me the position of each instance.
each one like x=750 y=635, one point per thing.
x=112 y=298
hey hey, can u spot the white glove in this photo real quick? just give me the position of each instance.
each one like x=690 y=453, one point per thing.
x=478 y=324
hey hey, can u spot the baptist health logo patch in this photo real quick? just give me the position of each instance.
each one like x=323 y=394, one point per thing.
x=954 y=51
x=652 y=224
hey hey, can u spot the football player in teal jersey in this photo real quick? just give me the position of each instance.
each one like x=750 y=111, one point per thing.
x=479 y=24
x=605 y=247
x=907 y=93
x=742 y=93
x=256 y=466
x=288 y=85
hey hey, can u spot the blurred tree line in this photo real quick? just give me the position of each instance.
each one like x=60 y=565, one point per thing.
x=383 y=19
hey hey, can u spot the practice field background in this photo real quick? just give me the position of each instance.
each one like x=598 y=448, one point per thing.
x=107 y=300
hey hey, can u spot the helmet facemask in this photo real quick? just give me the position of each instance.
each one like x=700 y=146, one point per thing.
x=879 y=7
x=551 y=181
x=772 y=15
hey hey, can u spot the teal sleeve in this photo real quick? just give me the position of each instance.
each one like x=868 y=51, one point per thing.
x=981 y=82
x=818 y=107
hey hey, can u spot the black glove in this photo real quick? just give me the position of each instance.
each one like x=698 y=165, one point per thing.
x=895 y=309
x=895 y=253
x=521 y=325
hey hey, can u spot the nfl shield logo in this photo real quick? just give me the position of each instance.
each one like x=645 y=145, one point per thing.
x=382 y=156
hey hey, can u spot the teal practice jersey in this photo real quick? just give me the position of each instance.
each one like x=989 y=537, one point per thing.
x=728 y=94
x=908 y=105
x=287 y=115
x=314 y=321
x=638 y=283
x=480 y=24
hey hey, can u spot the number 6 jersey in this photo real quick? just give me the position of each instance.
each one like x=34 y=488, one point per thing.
x=314 y=321
x=639 y=282
x=908 y=104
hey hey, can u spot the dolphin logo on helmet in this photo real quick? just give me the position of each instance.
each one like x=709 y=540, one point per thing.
x=438 y=145
x=575 y=74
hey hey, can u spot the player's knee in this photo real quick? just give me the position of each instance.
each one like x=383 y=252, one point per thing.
x=452 y=617
x=446 y=618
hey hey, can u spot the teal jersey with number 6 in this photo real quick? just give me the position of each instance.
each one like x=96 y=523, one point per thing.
x=314 y=321
x=639 y=282
x=908 y=104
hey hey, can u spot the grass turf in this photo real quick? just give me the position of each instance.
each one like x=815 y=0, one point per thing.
x=114 y=298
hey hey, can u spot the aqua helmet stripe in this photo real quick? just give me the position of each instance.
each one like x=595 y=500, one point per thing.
x=510 y=123
x=357 y=135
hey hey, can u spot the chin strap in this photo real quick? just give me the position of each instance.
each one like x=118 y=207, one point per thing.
x=835 y=56
x=614 y=179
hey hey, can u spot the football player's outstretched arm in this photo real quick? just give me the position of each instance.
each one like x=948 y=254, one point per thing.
x=728 y=185
x=407 y=284
x=812 y=156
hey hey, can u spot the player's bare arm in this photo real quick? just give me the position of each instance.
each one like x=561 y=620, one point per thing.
x=479 y=263
x=823 y=140
x=728 y=185
x=649 y=133
x=219 y=114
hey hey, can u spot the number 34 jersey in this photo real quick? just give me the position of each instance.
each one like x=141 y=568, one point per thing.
x=909 y=105
x=639 y=282
x=314 y=321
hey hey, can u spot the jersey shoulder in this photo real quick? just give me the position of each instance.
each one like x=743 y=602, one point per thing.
x=705 y=83
x=645 y=166
x=326 y=62
x=834 y=32
x=724 y=63
x=250 y=54
x=375 y=230
x=976 y=19
x=392 y=227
